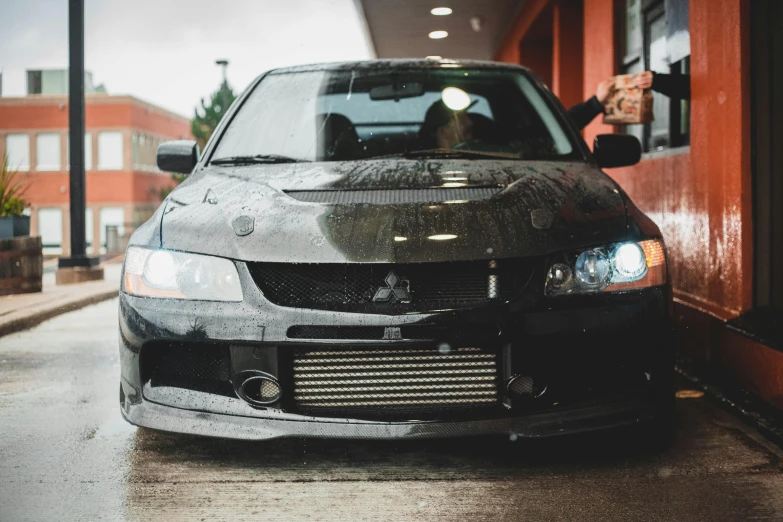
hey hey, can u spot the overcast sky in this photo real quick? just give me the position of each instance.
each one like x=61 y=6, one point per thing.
x=164 y=51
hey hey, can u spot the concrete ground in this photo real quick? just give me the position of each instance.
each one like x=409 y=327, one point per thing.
x=66 y=454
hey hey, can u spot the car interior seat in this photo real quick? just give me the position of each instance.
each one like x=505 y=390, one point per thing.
x=337 y=138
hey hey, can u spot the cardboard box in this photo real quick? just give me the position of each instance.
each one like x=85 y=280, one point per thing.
x=628 y=104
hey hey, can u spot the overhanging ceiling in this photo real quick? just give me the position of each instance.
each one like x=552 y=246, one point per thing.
x=400 y=28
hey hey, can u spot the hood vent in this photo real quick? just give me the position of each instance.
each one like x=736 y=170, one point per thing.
x=397 y=196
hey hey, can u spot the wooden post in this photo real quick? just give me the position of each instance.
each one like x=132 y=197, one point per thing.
x=21 y=265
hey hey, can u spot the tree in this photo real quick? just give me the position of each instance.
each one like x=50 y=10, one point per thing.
x=203 y=125
x=204 y=122
x=165 y=191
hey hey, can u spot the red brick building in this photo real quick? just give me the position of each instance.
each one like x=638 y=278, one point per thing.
x=123 y=182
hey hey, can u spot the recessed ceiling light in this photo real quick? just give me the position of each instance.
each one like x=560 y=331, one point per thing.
x=441 y=11
x=437 y=35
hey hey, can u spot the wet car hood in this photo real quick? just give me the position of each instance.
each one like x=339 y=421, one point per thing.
x=393 y=211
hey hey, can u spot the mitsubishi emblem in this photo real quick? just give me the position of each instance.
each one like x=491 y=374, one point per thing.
x=243 y=225
x=396 y=287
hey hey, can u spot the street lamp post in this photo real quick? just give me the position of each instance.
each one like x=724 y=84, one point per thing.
x=78 y=266
x=224 y=85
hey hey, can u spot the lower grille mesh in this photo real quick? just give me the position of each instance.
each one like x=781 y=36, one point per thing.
x=192 y=366
x=421 y=380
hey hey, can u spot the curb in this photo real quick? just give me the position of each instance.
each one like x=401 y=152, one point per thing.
x=34 y=319
x=734 y=399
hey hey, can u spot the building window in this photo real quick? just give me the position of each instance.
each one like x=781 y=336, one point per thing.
x=110 y=151
x=88 y=231
x=87 y=151
x=135 y=140
x=50 y=228
x=646 y=42
x=144 y=152
x=47 y=151
x=34 y=82
x=17 y=148
x=631 y=40
x=112 y=222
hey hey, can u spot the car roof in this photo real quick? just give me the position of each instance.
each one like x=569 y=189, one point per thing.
x=403 y=63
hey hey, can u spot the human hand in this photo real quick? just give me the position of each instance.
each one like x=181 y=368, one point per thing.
x=644 y=80
x=604 y=89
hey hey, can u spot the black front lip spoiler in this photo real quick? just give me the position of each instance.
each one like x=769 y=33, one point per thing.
x=593 y=417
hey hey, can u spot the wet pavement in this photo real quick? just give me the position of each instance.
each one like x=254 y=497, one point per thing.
x=66 y=454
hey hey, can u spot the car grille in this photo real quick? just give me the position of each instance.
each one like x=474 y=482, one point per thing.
x=386 y=288
x=388 y=381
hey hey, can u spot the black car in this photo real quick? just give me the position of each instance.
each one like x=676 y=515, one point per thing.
x=396 y=249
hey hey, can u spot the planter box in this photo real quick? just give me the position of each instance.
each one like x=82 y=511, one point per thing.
x=14 y=226
x=21 y=265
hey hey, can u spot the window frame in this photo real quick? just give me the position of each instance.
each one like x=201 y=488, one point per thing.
x=651 y=11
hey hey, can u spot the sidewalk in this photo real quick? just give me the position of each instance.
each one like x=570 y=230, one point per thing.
x=23 y=311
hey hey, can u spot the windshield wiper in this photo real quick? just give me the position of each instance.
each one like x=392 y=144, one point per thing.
x=454 y=153
x=258 y=158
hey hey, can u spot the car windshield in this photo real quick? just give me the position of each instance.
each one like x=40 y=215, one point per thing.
x=357 y=114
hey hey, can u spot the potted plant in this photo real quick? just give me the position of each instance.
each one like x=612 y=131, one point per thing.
x=12 y=203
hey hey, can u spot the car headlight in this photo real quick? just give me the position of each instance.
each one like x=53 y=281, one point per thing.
x=622 y=266
x=180 y=275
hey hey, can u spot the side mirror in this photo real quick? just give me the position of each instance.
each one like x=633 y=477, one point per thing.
x=616 y=150
x=178 y=156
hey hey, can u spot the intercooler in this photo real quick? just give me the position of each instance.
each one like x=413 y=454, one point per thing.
x=426 y=382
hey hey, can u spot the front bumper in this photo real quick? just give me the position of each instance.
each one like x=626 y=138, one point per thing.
x=605 y=359
x=580 y=419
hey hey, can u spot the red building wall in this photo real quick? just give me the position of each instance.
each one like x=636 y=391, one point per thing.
x=599 y=55
x=699 y=196
x=567 y=54
x=703 y=199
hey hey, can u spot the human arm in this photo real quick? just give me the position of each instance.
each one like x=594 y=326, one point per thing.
x=585 y=112
x=675 y=86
